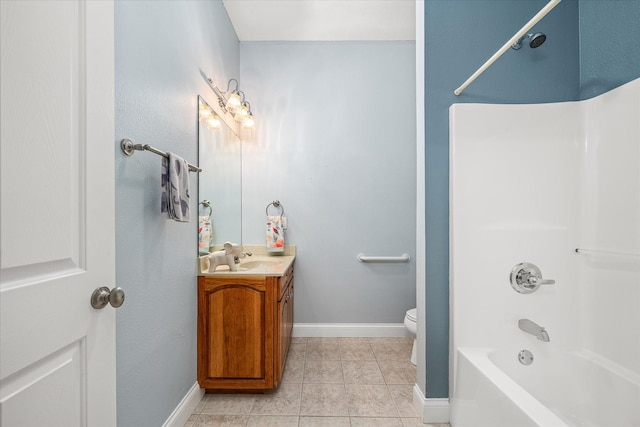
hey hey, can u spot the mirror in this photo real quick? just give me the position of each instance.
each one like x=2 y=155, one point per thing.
x=220 y=182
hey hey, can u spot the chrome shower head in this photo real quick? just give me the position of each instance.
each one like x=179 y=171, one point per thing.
x=535 y=40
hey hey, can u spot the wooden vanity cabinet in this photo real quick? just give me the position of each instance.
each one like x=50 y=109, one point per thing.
x=285 y=319
x=244 y=330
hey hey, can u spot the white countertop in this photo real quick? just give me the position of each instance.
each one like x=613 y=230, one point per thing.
x=272 y=264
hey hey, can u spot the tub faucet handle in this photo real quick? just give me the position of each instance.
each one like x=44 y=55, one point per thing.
x=535 y=280
x=526 y=278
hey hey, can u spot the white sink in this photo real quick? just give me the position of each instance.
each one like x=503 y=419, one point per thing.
x=261 y=263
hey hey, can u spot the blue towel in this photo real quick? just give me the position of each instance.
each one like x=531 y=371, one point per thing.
x=175 y=188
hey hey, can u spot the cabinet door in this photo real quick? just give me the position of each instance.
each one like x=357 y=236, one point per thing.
x=285 y=311
x=288 y=321
x=235 y=340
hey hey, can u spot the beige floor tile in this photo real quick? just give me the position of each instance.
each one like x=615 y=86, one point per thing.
x=296 y=351
x=398 y=371
x=322 y=349
x=413 y=422
x=378 y=391
x=361 y=372
x=201 y=404
x=324 y=422
x=324 y=400
x=272 y=421
x=293 y=371
x=228 y=404
x=355 y=349
x=376 y=422
x=191 y=422
x=402 y=395
x=284 y=401
x=370 y=401
x=206 y=420
x=392 y=348
x=322 y=341
x=323 y=372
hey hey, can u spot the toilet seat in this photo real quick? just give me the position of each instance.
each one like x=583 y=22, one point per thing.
x=411 y=314
x=411 y=325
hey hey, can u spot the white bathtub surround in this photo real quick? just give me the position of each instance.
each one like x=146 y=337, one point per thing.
x=531 y=183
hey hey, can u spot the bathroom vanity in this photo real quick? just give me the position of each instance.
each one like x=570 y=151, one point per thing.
x=245 y=318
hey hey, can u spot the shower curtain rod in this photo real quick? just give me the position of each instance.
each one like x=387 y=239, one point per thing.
x=507 y=45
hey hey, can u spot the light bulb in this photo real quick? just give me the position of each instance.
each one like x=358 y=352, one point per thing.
x=241 y=113
x=205 y=113
x=214 y=123
x=248 y=122
x=233 y=102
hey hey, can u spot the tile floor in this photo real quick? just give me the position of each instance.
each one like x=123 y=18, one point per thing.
x=327 y=382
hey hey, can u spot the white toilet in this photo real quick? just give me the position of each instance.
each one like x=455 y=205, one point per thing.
x=410 y=323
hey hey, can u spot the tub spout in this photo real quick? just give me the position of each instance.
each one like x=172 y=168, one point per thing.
x=534 y=329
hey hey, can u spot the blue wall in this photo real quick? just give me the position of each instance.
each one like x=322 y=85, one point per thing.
x=160 y=46
x=609 y=45
x=592 y=47
x=330 y=147
x=459 y=37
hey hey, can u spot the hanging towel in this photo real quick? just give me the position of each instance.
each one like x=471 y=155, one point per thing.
x=275 y=234
x=175 y=188
x=205 y=234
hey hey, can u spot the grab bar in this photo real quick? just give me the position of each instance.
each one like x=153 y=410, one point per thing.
x=593 y=252
x=128 y=148
x=384 y=259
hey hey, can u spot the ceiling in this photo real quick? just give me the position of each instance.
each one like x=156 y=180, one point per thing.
x=322 y=20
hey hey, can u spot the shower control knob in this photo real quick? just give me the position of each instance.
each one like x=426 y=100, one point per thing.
x=526 y=278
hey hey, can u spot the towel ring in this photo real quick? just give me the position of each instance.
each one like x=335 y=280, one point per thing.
x=207 y=204
x=276 y=204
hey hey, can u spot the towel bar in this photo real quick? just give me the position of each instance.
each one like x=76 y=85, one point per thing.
x=384 y=259
x=128 y=148
x=276 y=204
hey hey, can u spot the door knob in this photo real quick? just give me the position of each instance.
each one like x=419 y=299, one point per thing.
x=103 y=296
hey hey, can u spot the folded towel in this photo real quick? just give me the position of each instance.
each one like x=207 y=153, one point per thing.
x=275 y=234
x=205 y=233
x=175 y=188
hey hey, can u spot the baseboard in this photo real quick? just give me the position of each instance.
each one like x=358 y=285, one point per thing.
x=433 y=411
x=185 y=408
x=378 y=330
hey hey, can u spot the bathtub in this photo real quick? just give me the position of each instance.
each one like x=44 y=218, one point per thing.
x=559 y=389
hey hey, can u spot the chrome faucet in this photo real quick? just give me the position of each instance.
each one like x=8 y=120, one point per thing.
x=534 y=329
x=236 y=258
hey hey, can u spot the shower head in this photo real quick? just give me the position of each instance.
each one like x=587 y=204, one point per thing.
x=535 y=40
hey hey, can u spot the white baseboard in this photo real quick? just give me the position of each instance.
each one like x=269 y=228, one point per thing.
x=433 y=411
x=185 y=408
x=378 y=330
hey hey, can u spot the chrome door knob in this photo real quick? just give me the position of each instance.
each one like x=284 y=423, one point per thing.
x=526 y=278
x=103 y=296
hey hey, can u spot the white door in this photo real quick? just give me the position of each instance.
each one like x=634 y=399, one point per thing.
x=57 y=353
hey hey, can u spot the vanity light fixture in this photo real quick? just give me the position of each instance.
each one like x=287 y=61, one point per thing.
x=206 y=115
x=242 y=111
x=247 y=120
x=214 y=122
x=234 y=103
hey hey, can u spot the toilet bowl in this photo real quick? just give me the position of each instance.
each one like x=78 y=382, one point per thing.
x=410 y=323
